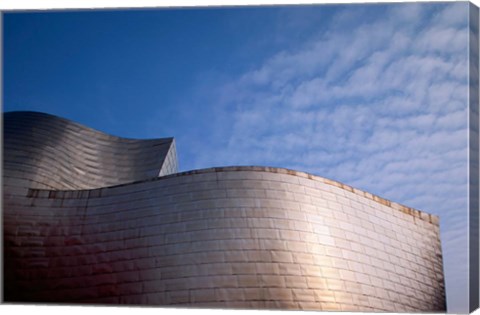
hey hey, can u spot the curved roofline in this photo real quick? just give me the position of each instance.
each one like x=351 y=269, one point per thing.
x=422 y=215
x=51 y=152
x=85 y=127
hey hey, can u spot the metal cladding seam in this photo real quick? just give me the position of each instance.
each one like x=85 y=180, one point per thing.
x=231 y=237
x=46 y=151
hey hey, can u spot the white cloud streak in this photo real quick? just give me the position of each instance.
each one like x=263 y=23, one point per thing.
x=381 y=106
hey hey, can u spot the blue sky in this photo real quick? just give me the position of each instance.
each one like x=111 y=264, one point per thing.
x=374 y=96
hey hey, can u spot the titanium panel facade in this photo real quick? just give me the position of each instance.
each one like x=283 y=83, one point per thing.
x=234 y=237
x=45 y=151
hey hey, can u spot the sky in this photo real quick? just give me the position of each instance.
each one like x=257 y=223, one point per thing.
x=374 y=96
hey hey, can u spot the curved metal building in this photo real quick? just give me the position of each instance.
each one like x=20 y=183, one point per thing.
x=91 y=218
x=45 y=151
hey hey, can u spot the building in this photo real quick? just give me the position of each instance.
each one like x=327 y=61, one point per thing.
x=92 y=218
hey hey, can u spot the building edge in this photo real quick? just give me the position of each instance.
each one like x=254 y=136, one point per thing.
x=419 y=214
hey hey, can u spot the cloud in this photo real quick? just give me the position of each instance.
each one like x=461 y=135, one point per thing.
x=453 y=16
x=377 y=101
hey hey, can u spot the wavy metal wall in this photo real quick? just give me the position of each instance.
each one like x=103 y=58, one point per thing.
x=246 y=237
x=45 y=151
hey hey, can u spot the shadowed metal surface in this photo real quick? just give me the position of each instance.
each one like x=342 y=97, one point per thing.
x=232 y=237
x=46 y=151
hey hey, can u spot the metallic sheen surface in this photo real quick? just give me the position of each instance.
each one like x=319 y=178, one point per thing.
x=233 y=237
x=45 y=151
